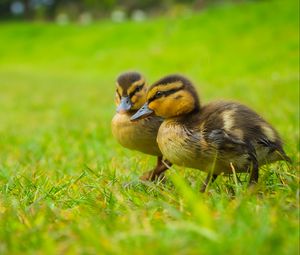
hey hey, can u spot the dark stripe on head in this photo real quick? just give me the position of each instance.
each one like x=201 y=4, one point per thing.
x=125 y=80
x=172 y=79
x=137 y=89
x=160 y=94
x=175 y=79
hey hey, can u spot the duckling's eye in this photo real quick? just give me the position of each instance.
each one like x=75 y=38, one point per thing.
x=158 y=94
x=139 y=88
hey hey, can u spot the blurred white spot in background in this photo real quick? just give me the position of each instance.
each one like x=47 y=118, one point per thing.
x=62 y=19
x=17 y=8
x=118 y=16
x=85 y=18
x=138 y=16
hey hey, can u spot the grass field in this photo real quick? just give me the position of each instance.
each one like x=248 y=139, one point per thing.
x=62 y=174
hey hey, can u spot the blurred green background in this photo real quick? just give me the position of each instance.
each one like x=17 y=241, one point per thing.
x=61 y=171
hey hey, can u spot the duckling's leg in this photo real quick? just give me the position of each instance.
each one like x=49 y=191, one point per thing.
x=254 y=172
x=157 y=172
x=209 y=179
x=253 y=165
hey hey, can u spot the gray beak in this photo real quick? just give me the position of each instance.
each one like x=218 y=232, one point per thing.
x=125 y=104
x=142 y=113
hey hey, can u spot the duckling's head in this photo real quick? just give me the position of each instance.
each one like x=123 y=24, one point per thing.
x=130 y=92
x=172 y=96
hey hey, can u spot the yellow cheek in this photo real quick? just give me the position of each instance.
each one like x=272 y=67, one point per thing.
x=159 y=107
x=138 y=100
x=184 y=102
x=179 y=103
x=183 y=107
x=117 y=99
x=134 y=99
x=154 y=105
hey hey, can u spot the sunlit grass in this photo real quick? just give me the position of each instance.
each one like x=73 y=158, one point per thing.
x=62 y=175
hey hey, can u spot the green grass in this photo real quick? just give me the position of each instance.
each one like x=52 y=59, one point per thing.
x=62 y=174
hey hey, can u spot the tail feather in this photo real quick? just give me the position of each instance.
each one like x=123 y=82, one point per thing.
x=287 y=159
x=281 y=155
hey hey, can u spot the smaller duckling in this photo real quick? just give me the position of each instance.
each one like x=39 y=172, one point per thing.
x=141 y=135
x=220 y=137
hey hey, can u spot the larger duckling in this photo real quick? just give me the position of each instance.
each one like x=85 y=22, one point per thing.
x=220 y=137
x=140 y=135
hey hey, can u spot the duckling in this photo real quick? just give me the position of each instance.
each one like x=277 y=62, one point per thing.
x=219 y=137
x=141 y=135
